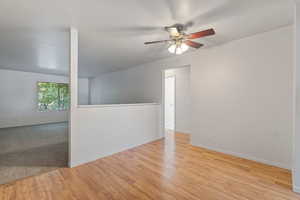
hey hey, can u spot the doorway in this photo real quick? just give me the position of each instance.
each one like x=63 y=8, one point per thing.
x=176 y=100
x=170 y=102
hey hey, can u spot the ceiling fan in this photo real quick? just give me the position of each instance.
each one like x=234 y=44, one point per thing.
x=179 y=41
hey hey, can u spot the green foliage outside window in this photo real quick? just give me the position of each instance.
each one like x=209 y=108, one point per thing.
x=53 y=96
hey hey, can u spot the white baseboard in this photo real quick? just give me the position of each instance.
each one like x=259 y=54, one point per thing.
x=296 y=189
x=245 y=156
x=181 y=131
x=32 y=124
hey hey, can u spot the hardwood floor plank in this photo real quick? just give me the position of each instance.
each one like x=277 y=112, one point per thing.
x=166 y=169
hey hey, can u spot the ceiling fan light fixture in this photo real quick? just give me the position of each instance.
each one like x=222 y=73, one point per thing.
x=172 y=48
x=178 y=49
x=184 y=47
x=180 y=41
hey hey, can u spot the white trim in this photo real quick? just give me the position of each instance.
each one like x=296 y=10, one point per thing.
x=162 y=107
x=116 y=105
x=73 y=86
x=296 y=189
x=163 y=76
x=295 y=127
x=183 y=132
x=33 y=124
x=245 y=156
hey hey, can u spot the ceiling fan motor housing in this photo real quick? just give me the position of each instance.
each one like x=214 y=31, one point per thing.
x=175 y=30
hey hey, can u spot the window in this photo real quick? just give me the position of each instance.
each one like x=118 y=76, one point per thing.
x=53 y=96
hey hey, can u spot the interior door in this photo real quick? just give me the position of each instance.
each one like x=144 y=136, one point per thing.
x=170 y=103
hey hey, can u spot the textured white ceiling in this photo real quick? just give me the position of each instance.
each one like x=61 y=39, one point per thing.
x=34 y=34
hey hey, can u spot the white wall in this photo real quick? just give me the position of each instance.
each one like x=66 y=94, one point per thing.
x=241 y=95
x=101 y=131
x=119 y=88
x=296 y=139
x=242 y=98
x=98 y=131
x=18 y=102
x=83 y=91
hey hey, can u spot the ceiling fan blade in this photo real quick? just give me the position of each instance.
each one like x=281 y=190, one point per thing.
x=201 y=34
x=159 y=41
x=193 y=44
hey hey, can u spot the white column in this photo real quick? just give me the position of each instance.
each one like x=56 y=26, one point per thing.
x=73 y=85
x=296 y=139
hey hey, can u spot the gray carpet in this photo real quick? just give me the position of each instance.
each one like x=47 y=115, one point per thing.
x=30 y=150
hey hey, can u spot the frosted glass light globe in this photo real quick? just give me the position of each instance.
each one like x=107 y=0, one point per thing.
x=172 y=48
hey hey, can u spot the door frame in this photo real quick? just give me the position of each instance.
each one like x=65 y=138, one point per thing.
x=162 y=107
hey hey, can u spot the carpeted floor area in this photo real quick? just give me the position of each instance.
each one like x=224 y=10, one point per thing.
x=31 y=150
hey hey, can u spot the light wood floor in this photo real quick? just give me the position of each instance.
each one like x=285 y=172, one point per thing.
x=164 y=169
